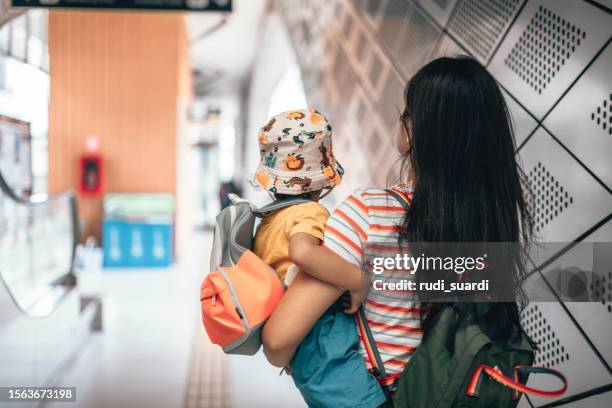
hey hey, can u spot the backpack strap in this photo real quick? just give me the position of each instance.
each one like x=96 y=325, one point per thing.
x=378 y=369
x=278 y=204
x=387 y=382
x=402 y=200
x=514 y=383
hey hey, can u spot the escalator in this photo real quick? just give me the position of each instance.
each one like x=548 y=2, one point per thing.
x=44 y=321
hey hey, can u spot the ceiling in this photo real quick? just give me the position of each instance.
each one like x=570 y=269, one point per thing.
x=222 y=45
x=222 y=52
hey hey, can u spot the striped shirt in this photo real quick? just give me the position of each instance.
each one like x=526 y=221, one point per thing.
x=369 y=221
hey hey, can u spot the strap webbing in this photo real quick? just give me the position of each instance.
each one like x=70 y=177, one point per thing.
x=402 y=200
x=513 y=383
x=370 y=344
x=278 y=204
x=366 y=334
x=372 y=351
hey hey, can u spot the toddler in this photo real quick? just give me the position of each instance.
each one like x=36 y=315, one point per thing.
x=297 y=161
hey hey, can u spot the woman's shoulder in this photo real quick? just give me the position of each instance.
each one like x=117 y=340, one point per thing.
x=373 y=194
x=366 y=202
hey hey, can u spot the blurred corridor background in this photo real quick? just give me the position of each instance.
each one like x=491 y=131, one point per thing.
x=120 y=130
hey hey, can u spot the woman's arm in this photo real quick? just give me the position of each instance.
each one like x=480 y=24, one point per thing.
x=304 y=303
x=306 y=252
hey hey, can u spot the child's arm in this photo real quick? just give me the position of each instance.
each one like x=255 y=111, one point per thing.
x=306 y=252
x=302 y=305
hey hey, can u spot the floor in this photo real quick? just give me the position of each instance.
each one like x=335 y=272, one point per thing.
x=153 y=351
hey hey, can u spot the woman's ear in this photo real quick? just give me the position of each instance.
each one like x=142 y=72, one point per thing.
x=402 y=137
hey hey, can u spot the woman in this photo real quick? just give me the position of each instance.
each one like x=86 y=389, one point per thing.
x=463 y=184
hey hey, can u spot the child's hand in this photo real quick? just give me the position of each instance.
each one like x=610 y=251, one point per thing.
x=354 y=298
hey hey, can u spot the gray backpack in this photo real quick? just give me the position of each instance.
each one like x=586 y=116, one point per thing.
x=235 y=229
x=241 y=291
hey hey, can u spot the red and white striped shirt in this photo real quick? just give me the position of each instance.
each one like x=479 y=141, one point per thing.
x=371 y=218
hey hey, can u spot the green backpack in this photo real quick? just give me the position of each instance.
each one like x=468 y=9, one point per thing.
x=478 y=373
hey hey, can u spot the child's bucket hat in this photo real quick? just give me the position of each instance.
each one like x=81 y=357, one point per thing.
x=296 y=154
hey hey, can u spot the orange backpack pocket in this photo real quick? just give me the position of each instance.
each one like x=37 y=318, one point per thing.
x=258 y=287
x=220 y=315
x=237 y=300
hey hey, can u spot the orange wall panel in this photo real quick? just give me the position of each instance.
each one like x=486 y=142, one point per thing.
x=118 y=76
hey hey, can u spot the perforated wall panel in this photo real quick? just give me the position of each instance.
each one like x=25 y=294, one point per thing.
x=359 y=169
x=561 y=346
x=547 y=48
x=550 y=199
x=344 y=75
x=377 y=68
x=601 y=234
x=600 y=115
x=447 y=47
x=417 y=42
x=582 y=121
x=372 y=11
x=567 y=200
x=384 y=154
x=356 y=42
x=605 y=3
x=524 y=123
x=596 y=401
x=440 y=10
x=594 y=313
x=391 y=101
x=395 y=14
x=552 y=351
x=481 y=24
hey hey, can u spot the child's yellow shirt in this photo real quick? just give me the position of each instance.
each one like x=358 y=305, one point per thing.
x=276 y=229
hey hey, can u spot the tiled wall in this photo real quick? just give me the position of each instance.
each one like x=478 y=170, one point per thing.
x=553 y=60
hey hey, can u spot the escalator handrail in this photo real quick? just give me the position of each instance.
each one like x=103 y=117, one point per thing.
x=7 y=190
x=68 y=279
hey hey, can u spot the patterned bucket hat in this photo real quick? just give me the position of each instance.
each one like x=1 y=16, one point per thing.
x=296 y=154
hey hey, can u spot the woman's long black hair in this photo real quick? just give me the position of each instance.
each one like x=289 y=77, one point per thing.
x=468 y=186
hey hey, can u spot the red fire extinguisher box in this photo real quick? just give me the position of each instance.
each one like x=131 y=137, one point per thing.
x=92 y=175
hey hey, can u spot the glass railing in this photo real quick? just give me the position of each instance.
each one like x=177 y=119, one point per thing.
x=38 y=235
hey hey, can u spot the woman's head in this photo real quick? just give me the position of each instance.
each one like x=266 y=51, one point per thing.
x=460 y=147
x=459 y=151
